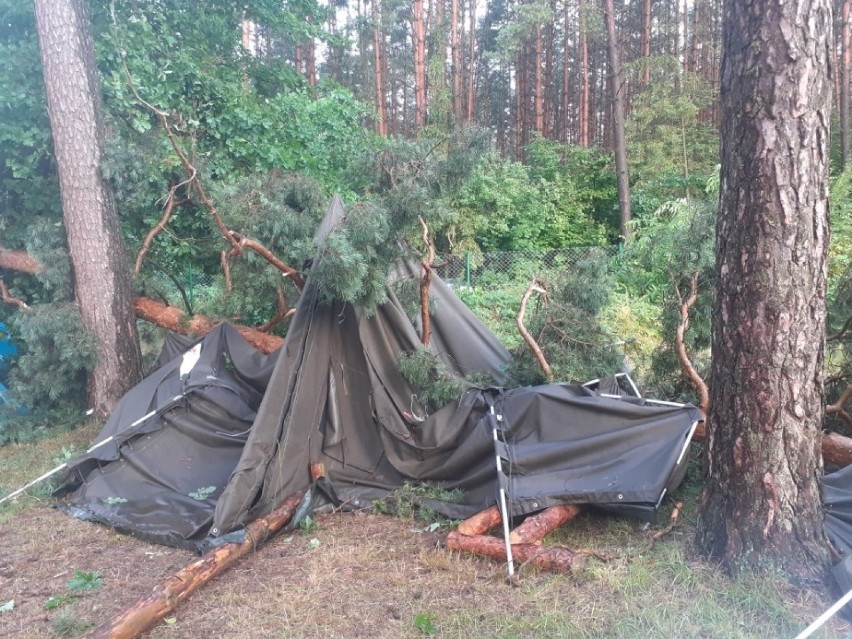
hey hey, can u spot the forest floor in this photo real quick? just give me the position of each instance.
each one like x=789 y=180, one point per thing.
x=362 y=575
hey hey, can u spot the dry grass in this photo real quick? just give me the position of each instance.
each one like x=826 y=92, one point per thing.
x=360 y=575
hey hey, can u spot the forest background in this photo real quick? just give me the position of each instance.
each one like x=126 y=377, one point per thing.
x=493 y=126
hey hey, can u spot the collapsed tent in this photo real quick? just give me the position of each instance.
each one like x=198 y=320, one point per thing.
x=336 y=401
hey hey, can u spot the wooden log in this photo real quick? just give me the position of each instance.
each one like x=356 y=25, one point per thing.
x=552 y=558
x=481 y=522
x=166 y=597
x=836 y=449
x=178 y=322
x=538 y=526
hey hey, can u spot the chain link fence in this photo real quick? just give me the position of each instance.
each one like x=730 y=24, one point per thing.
x=486 y=268
x=494 y=270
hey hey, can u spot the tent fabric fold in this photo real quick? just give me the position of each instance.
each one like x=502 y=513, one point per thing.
x=245 y=429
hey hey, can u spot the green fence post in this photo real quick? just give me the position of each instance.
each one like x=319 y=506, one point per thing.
x=467 y=268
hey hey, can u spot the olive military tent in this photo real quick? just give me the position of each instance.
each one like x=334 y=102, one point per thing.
x=229 y=439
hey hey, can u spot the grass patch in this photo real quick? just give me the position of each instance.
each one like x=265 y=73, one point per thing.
x=68 y=624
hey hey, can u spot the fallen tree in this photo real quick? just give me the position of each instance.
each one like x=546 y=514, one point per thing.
x=167 y=596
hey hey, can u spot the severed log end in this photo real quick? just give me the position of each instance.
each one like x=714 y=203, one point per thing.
x=836 y=449
x=166 y=597
x=538 y=526
x=481 y=522
x=551 y=558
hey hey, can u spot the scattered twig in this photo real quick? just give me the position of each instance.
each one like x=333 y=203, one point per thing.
x=673 y=522
x=536 y=286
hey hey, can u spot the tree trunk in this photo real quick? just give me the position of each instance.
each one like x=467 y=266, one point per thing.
x=418 y=39
x=175 y=590
x=761 y=504
x=619 y=142
x=845 y=64
x=101 y=274
x=456 y=59
x=552 y=558
x=381 y=112
x=471 y=74
x=566 y=78
x=584 y=81
x=646 y=42
x=539 y=83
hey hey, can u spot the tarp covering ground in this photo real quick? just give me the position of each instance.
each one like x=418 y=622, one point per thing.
x=244 y=434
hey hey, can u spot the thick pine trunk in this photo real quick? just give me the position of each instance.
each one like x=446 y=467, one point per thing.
x=456 y=59
x=101 y=273
x=539 y=83
x=761 y=504
x=618 y=137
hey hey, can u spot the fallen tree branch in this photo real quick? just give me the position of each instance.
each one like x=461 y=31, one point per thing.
x=535 y=287
x=167 y=596
x=425 y=283
x=839 y=407
x=225 y=259
x=552 y=558
x=282 y=313
x=171 y=203
x=481 y=522
x=9 y=299
x=269 y=256
x=20 y=261
x=686 y=365
x=538 y=526
x=846 y=327
x=177 y=321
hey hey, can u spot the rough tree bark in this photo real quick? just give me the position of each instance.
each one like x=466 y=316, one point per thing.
x=761 y=504
x=619 y=141
x=101 y=275
x=585 y=109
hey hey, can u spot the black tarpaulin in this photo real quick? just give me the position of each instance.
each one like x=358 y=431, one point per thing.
x=175 y=441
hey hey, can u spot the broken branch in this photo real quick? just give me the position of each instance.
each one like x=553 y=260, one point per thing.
x=9 y=299
x=838 y=407
x=176 y=321
x=536 y=286
x=686 y=365
x=282 y=313
x=167 y=596
x=552 y=558
x=425 y=283
x=481 y=522
x=158 y=228
x=19 y=261
x=265 y=253
x=538 y=526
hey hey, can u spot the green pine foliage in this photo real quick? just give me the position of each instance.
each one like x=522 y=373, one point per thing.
x=569 y=330
x=427 y=372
